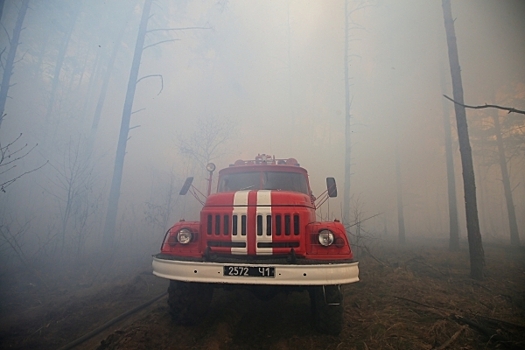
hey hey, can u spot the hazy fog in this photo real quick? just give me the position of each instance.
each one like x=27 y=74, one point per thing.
x=275 y=71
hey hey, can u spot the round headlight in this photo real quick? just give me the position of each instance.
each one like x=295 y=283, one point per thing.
x=326 y=238
x=184 y=236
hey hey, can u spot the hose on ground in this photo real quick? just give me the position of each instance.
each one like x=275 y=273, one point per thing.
x=110 y=323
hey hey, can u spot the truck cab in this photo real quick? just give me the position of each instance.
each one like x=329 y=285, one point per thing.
x=259 y=231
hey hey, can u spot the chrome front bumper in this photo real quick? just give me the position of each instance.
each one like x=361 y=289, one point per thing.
x=285 y=274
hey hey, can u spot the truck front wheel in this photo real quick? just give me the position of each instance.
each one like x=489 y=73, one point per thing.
x=327 y=308
x=189 y=302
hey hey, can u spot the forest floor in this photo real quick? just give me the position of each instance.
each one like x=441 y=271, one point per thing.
x=414 y=297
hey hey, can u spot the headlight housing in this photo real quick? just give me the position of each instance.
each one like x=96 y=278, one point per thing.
x=184 y=236
x=326 y=238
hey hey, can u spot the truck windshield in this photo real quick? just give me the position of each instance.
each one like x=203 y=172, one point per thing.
x=268 y=180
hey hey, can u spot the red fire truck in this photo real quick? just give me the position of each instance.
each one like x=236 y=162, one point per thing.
x=258 y=231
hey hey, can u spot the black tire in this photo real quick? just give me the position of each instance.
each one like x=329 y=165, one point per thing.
x=327 y=309
x=189 y=302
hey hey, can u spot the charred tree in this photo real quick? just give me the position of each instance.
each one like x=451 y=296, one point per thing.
x=348 y=144
x=41 y=51
x=114 y=193
x=104 y=89
x=477 y=255
x=289 y=69
x=61 y=57
x=451 y=180
x=505 y=179
x=10 y=61
x=74 y=184
x=351 y=7
x=2 y=3
x=400 y=212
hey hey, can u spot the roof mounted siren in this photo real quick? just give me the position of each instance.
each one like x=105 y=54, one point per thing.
x=211 y=168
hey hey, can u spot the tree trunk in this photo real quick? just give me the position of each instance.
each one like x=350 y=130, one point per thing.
x=2 y=3
x=114 y=193
x=10 y=61
x=400 y=213
x=92 y=85
x=348 y=144
x=60 y=60
x=83 y=71
x=104 y=88
x=41 y=53
x=451 y=181
x=477 y=255
x=290 y=76
x=513 y=224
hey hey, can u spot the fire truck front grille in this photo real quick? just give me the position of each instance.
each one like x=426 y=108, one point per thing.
x=294 y=244
x=265 y=225
x=227 y=244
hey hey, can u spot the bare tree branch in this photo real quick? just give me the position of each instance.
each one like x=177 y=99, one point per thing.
x=154 y=75
x=1 y=54
x=12 y=240
x=9 y=157
x=509 y=109
x=6 y=153
x=6 y=170
x=20 y=59
x=160 y=42
x=7 y=183
x=6 y=32
x=174 y=29
x=361 y=221
x=208 y=141
x=138 y=110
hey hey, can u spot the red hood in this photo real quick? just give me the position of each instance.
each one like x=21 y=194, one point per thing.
x=278 y=198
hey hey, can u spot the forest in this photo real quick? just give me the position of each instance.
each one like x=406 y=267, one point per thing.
x=107 y=106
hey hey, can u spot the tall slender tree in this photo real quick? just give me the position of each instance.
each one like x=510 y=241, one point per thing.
x=505 y=179
x=114 y=192
x=350 y=26
x=105 y=84
x=400 y=212
x=348 y=143
x=10 y=61
x=451 y=180
x=2 y=3
x=62 y=50
x=477 y=255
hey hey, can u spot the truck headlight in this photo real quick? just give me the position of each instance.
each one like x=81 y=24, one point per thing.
x=326 y=238
x=184 y=236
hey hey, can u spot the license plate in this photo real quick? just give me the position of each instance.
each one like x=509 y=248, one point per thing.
x=249 y=271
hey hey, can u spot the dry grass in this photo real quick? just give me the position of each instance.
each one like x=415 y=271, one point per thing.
x=414 y=297
x=421 y=297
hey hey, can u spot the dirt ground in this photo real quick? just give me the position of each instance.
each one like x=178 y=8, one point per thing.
x=415 y=297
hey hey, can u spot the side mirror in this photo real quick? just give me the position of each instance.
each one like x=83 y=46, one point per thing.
x=331 y=187
x=186 y=186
